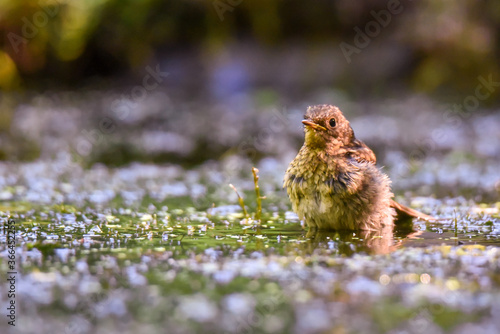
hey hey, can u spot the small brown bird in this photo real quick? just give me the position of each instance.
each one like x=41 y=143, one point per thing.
x=333 y=182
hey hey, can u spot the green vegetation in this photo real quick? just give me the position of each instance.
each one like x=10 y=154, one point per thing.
x=66 y=41
x=190 y=269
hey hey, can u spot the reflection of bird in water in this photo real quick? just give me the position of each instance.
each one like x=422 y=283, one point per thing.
x=347 y=242
x=382 y=241
x=333 y=182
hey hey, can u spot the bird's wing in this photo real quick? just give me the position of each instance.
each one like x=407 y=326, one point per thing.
x=362 y=153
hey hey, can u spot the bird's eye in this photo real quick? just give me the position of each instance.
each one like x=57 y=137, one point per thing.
x=332 y=122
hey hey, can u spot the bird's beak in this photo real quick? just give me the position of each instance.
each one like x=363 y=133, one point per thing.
x=313 y=125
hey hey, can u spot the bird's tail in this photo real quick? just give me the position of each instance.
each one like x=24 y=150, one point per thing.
x=406 y=212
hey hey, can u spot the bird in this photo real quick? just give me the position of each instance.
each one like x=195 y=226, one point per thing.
x=334 y=183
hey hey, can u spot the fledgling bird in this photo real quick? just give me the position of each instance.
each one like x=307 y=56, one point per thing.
x=333 y=182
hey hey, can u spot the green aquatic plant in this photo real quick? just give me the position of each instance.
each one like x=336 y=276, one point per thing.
x=259 y=198
x=240 y=201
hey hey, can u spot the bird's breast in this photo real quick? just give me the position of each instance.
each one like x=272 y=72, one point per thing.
x=315 y=172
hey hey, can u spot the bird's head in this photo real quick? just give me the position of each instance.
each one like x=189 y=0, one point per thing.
x=326 y=128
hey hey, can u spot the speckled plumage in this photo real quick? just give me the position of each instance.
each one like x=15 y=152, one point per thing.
x=333 y=182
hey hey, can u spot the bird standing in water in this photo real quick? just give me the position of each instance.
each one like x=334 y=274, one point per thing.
x=333 y=182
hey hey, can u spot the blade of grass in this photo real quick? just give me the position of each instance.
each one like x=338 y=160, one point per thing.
x=258 y=214
x=240 y=201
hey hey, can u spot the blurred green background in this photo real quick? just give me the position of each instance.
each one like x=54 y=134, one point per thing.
x=428 y=46
x=115 y=81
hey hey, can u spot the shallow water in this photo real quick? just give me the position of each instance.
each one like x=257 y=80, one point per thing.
x=155 y=248
x=191 y=231
x=193 y=271
x=95 y=269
